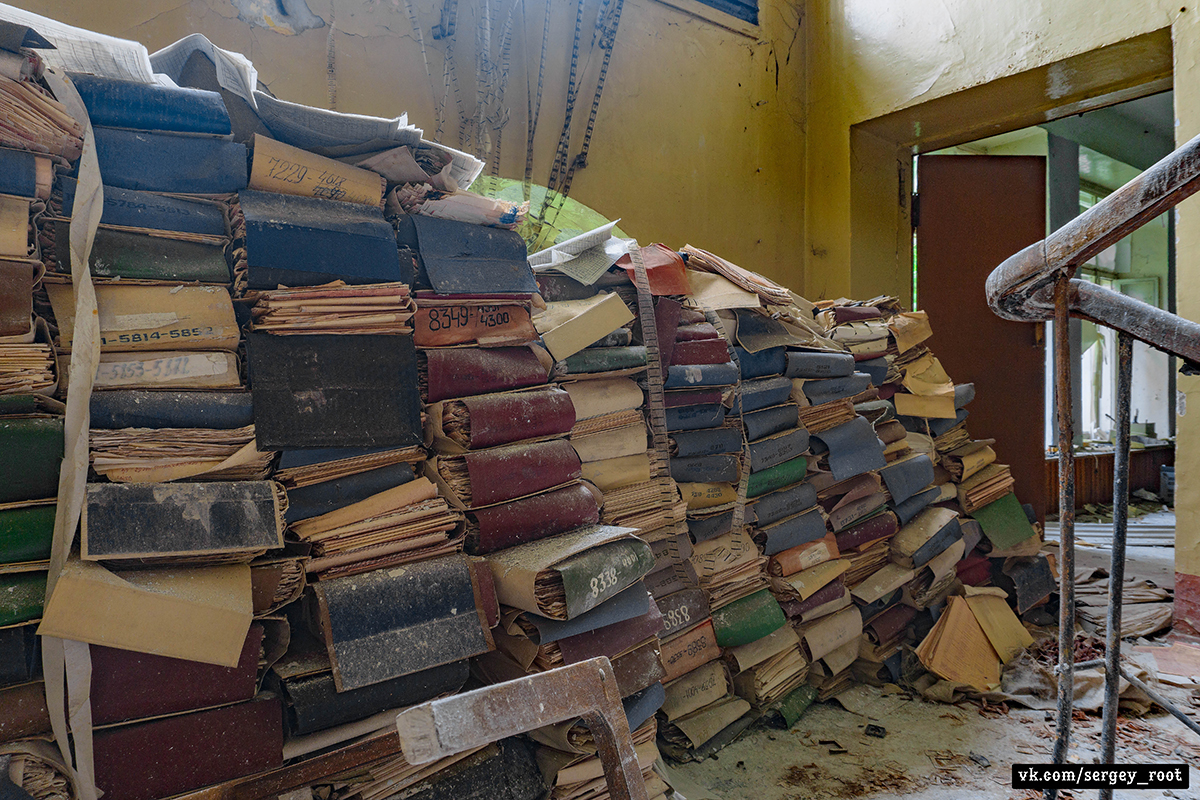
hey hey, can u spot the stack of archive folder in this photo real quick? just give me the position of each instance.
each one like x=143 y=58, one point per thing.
x=38 y=140
x=350 y=448
x=927 y=534
x=582 y=593
x=707 y=706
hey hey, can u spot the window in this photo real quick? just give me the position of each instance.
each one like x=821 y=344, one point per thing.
x=1130 y=266
x=745 y=10
x=739 y=16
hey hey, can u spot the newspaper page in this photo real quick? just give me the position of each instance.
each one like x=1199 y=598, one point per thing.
x=79 y=50
x=235 y=72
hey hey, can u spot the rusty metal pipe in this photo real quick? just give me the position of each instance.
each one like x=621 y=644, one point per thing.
x=1066 y=516
x=1116 y=569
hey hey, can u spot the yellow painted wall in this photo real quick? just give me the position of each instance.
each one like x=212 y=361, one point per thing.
x=699 y=137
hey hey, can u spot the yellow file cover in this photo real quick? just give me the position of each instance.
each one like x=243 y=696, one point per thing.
x=153 y=317
x=281 y=168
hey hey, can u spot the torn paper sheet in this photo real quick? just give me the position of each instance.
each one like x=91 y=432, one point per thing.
x=235 y=72
x=312 y=128
x=584 y=257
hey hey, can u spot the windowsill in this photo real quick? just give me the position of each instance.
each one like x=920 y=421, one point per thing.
x=729 y=22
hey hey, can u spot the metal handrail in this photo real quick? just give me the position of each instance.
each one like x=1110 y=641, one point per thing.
x=1022 y=288
x=1038 y=284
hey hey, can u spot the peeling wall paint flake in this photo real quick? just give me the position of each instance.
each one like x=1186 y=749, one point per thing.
x=288 y=17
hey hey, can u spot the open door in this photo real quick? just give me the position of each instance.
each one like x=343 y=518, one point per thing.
x=976 y=211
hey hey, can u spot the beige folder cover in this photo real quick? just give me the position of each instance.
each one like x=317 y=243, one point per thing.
x=702 y=725
x=198 y=614
x=613 y=473
x=696 y=689
x=605 y=396
x=828 y=634
x=568 y=326
x=745 y=656
x=807 y=582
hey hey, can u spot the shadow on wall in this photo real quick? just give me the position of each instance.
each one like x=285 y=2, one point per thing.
x=282 y=16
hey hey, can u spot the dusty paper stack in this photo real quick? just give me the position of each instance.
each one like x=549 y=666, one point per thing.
x=334 y=375
x=582 y=594
x=185 y=586
x=931 y=546
x=776 y=355
x=333 y=366
x=705 y=709
x=42 y=138
x=807 y=569
x=39 y=137
x=162 y=584
x=641 y=491
x=966 y=475
x=169 y=335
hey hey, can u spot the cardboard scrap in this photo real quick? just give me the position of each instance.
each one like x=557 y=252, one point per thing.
x=959 y=650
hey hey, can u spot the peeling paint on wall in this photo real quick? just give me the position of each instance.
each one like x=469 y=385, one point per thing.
x=288 y=17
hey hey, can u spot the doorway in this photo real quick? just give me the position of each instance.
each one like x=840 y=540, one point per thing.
x=1087 y=156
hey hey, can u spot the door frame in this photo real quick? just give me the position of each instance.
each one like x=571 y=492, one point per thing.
x=882 y=149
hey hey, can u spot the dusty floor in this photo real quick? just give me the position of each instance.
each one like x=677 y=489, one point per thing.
x=927 y=753
x=928 y=749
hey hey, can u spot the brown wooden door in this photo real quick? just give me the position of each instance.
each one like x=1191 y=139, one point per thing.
x=976 y=211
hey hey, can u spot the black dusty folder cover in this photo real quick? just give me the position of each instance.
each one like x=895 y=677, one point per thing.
x=306 y=241
x=460 y=258
x=334 y=391
x=145 y=522
x=314 y=704
x=392 y=622
x=505 y=770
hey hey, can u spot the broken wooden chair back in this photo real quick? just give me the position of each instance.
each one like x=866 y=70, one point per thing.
x=587 y=690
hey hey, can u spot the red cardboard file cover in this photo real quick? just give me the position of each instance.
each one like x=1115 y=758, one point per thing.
x=506 y=472
x=531 y=518
x=497 y=419
x=131 y=685
x=700 y=351
x=612 y=640
x=168 y=756
x=468 y=371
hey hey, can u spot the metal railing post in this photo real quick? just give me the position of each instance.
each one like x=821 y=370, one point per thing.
x=1035 y=285
x=1116 y=570
x=1066 y=516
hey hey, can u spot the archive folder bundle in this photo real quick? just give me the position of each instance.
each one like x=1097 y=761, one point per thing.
x=38 y=139
x=351 y=447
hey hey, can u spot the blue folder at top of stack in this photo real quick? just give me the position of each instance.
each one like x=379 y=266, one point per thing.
x=763 y=364
x=303 y=241
x=170 y=162
x=129 y=208
x=115 y=103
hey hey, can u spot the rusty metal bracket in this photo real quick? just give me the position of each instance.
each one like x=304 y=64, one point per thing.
x=588 y=689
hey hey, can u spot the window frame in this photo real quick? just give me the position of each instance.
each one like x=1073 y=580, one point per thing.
x=701 y=10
